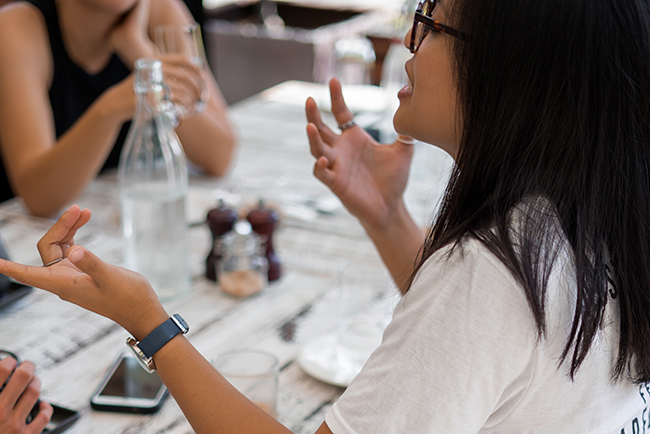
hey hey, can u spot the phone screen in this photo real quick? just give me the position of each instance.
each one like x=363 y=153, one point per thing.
x=131 y=381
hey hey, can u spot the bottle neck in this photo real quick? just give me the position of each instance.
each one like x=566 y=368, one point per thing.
x=148 y=85
x=150 y=101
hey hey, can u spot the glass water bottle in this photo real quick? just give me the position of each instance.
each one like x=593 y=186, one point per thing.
x=152 y=177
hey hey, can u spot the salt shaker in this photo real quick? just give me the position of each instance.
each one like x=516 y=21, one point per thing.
x=242 y=268
x=220 y=220
x=263 y=221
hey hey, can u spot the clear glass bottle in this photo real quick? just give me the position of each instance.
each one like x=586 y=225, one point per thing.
x=152 y=177
x=243 y=269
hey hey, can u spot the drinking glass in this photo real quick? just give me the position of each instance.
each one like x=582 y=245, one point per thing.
x=185 y=40
x=254 y=373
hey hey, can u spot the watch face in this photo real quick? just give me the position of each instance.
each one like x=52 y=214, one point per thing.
x=139 y=355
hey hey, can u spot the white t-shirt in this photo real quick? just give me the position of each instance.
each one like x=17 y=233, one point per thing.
x=462 y=355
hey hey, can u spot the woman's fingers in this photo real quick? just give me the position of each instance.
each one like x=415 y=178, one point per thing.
x=323 y=173
x=186 y=81
x=67 y=242
x=182 y=78
x=37 y=425
x=19 y=397
x=18 y=382
x=317 y=147
x=54 y=244
x=58 y=232
x=314 y=117
x=89 y=263
x=179 y=68
x=340 y=110
x=29 y=397
x=7 y=366
x=52 y=279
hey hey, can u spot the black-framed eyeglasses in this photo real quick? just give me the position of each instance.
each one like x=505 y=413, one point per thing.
x=423 y=24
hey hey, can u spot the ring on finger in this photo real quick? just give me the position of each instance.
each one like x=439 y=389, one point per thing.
x=53 y=262
x=349 y=124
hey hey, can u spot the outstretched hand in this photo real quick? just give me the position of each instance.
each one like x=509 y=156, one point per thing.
x=369 y=178
x=85 y=280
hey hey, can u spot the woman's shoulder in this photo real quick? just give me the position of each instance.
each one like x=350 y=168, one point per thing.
x=16 y=16
x=469 y=255
x=24 y=40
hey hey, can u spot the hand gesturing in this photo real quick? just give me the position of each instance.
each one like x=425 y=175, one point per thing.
x=85 y=280
x=369 y=178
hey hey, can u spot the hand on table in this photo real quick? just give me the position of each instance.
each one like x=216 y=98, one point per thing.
x=369 y=178
x=19 y=397
x=85 y=280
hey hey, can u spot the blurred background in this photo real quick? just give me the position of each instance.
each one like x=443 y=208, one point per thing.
x=254 y=44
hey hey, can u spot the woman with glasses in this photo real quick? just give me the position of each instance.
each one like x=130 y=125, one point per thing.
x=526 y=305
x=66 y=91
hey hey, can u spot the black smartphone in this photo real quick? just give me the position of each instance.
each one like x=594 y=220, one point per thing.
x=128 y=388
x=62 y=419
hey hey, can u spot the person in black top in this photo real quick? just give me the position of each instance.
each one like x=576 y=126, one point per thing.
x=66 y=91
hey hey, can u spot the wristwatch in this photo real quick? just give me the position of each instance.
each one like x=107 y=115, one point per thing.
x=147 y=347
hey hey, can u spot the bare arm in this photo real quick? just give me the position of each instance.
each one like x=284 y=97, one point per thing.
x=45 y=175
x=398 y=245
x=48 y=173
x=208 y=138
x=210 y=403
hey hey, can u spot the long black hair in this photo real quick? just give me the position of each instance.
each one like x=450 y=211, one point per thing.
x=555 y=103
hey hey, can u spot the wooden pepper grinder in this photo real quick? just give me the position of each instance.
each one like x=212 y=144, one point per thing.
x=220 y=220
x=263 y=221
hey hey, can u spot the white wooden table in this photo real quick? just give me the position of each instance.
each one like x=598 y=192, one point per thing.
x=73 y=348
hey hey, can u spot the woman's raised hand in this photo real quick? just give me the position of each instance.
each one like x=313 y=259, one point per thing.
x=129 y=37
x=369 y=178
x=85 y=280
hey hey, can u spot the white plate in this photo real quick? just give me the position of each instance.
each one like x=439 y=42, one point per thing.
x=324 y=360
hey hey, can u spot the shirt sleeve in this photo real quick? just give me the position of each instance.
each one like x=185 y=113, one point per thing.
x=457 y=357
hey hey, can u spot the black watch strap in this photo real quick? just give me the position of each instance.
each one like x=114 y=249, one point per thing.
x=162 y=334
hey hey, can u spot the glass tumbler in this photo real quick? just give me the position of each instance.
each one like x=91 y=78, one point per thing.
x=255 y=374
x=185 y=40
